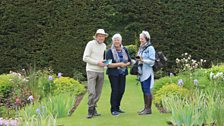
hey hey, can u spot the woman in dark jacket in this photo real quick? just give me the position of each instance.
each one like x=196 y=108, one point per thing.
x=117 y=72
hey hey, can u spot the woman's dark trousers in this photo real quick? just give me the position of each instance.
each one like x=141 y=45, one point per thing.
x=118 y=88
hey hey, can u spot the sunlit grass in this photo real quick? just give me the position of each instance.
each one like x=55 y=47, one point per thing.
x=131 y=103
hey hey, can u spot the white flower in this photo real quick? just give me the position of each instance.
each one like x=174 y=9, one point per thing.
x=219 y=74
x=19 y=75
x=30 y=98
x=185 y=54
x=189 y=58
x=25 y=80
x=187 y=65
x=177 y=60
x=171 y=74
x=211 y=75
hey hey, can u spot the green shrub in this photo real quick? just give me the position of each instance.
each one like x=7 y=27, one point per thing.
x=216 y=69
x=164 y=81
x=215 y=75
x=132 y=50
x=77 y=75
x=5 y=84
x=188 y=78
x=168 y=90
x=6 y=101
x=66 y=84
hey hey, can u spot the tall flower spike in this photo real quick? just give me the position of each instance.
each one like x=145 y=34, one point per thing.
x=180 y=82
x=195 y=82
x=38 y=110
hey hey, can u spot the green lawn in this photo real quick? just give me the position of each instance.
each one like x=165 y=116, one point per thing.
x=131 y=103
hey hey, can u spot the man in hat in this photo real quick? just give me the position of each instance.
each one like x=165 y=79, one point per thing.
x=93 y=56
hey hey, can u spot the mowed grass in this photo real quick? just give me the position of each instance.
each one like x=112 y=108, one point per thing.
x=132 y=102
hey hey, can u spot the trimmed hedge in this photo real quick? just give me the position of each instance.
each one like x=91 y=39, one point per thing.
x=54 y=33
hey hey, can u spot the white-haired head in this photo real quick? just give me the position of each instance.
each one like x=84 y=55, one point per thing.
x=146 y=35
x=117 y=36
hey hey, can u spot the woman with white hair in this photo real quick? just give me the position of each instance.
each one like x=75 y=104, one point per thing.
x=146 y=58
x=117 y=72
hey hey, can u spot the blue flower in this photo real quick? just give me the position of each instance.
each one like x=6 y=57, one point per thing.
x=180 y=82
x=195 y=82
x=50 y=78
x=38 y=110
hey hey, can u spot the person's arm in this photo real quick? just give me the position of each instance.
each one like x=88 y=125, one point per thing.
x=87 y=54
x=129 y=58
x=109 y=55
x=151 y=59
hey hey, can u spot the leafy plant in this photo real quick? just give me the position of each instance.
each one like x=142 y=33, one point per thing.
x=58 y=105
x=38 y=120
x=164 y=81
x=66 y=84
x=186 y=63
x=132 y=50
x=202 y=108
x=169 y=90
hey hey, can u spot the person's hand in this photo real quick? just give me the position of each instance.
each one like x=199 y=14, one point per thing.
x=138 y=58
x=122 y=64
x=128 y=63
x=101 y=64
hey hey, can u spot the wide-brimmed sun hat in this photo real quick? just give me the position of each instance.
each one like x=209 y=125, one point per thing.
x=101 y=31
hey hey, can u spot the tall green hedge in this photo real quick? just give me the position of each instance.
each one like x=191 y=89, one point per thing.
x=54 y=33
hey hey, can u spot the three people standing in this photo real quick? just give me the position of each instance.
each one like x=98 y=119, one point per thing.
x=117 y=70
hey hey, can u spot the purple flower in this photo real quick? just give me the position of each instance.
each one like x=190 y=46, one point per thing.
x=38 y=110
x=59 y=75
x=1 y=121
x=13 y=123
x=180 y=82
x=30 y=98
x=50 y=78
x=195 y=82
x=6 y=122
